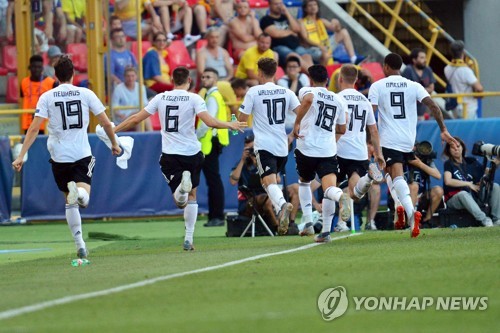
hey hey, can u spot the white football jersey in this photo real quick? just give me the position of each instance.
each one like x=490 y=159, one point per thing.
x=177 y=110
x=269 y=104
x=318 y=125
x=67 y=108
x=352 y=145
x=397 y=98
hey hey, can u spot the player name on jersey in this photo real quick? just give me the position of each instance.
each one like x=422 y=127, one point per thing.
x=396 y=85
x=326 y=96
x=272 y=92
x=354 y=98
x=175 y=98
x=69 y=93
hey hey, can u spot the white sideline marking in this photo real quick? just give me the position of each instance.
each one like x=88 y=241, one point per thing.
x=69 y=299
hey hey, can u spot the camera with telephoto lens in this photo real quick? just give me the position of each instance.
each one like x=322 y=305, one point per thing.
x=424 y=151
x=485 y=149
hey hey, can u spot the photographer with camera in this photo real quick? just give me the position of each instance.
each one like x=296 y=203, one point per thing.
x=245 y=174
x=462 y=176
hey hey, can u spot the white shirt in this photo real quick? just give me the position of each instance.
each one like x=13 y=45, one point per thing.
x=67 y=108
x=318 y=125
x=122 y=96
x=269 y=104
x=352 y=145
x=177 y=112
x=285 y=82
x=461 y=79
x=396 y=98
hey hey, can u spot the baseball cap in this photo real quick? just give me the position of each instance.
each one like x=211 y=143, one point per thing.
x=54 y=51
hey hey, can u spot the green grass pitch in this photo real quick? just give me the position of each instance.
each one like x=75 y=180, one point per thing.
x=272 y=294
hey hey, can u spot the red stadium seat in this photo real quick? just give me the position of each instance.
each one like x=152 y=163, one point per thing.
x=155 y=122
x=332 y=68
x=78 y=78
x=78 y=53
x=258 y=3
x=178 y=55
x=12 y=93
x=146 y=45
x=375 y=69
x=201 y=43
x=3 y=71
x=279 y=73
x=9 y=56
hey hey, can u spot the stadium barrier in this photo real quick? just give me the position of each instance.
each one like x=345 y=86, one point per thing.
x=6 y=179
x=141 y=190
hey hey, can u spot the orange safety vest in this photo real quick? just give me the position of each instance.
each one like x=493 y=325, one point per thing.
x=31 y=92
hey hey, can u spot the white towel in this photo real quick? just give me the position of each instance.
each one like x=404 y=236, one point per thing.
x=125 y=142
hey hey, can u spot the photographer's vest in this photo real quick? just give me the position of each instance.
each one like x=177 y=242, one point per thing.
x=222 y=134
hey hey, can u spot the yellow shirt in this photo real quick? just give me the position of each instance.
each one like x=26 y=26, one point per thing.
x=316 y=31
x=74 y=9
x=249 y=61
x=129 y=12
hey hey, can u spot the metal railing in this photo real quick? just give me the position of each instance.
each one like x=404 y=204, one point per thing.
x=433 y=27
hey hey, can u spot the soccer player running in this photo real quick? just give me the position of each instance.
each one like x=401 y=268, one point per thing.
x=269 y=104
x=352 y=149
x=395 y=97
x=67 y=107
x=321 y=114
x=181 y=159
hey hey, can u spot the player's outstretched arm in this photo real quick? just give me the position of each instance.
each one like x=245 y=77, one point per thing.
x=436 y=113
x=301 y=111
x=28 y=141
x=376 y=146
x=215 y=123
x=108 y=128
x=132 y=121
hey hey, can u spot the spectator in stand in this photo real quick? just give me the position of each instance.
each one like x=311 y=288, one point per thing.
x=247 y=68
x=314 y=30
x=181 y=12
x=115 y=23
x=125 y=11
x=9 y=20
x=214 y=56
x=4 y=4
x=244 y=29
x=32 y=87
x=60 y=23
x=120 y=56
x=343 y=48
x=74 y=10
x=127 y=94
x=284 y=31
x=54 y=53
x=240 y=88
x=155 y=67
x=216 y=13
x=294 y=79
x=462 y=80
x=418 y=71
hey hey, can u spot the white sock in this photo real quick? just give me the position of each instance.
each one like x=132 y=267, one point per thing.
x=328 y=212
x=403 y=192
x=305 y=197
x=276 y=196
x=190 y=215
x=333 y=193
x=393 y=193
x=363 y=186
x=353 y=59
x=75 y=225
x=180 y=196
x=83 y=197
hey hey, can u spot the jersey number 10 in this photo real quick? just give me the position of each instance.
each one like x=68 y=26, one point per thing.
x=276 y=109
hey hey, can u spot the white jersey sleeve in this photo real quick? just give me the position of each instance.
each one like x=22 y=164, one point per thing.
x=95 y=104
x=421 y=92
x=152 y=106
x=294 y=101
x=42 y=108
x=247 y=106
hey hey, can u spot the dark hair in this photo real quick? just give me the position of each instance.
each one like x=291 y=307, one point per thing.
x=447 y=147
x=64 y=68
x=114 y=18
x=318 y=73
x=264 y=34
x=394 y=61
x=249 y=138
x=292 y=58
x=267 y=66
x=36 y=58
x=212 y=70
x=304 y=5
x=114 y=31
x=457 y=49
x=158 y=34
x=415 y=52
x=180 y=75
x=238 y=83
x=349 y=73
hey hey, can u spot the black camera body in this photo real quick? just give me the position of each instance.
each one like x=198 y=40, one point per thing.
x=485 y=149
x=424 y=151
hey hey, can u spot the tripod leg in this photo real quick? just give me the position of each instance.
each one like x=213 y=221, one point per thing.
x=251 y=223
x=265 y=225
x=353 y=225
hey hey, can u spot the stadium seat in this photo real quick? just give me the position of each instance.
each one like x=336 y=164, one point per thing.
x=3 y=71
x=258 y=3
x=178 y=55
x=78 y=53
x=375 y=69
x=9 y=56
x=279 y=73
x=78 y=78
x=12 y=93
x=293 y=3
x=201 y=43
x=155 y=122
x=146 y=45
x=332 y=68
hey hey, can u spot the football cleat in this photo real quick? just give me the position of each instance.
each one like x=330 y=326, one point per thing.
x=345 y=207
x=186 y=185
x=284 y=218
x=72 y=193
x=374 y=173
x=188 y=246
x=323 y=237
x=400 y=223
x=341 y=227
x=308 y=230
x=415 y=229
x=82 y=253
